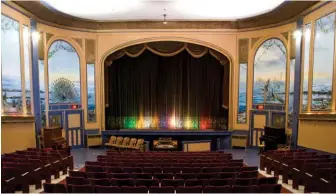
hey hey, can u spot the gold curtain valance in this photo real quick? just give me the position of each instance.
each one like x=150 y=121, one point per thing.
x=166 y=49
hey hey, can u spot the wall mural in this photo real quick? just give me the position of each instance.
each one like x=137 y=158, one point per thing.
x=64 y=73
x=270 y=73
x=323 y=62
x=91 y=93
x=26 y=42
x=42 y=92
x=291 y=91
x=307 y=36
x=242 y=93
x=11 y=67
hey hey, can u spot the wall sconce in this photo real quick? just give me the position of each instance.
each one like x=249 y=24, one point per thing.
x=297 y=34
x=36 y=36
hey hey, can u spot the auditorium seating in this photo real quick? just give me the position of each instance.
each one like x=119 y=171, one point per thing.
x=129 y=172
x=31 y=166
x=315 y=171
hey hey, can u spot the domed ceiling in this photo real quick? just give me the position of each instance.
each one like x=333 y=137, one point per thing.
x=135 y=10
x=95 y=15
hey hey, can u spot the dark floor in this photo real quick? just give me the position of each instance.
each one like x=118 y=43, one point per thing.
x=81 y=155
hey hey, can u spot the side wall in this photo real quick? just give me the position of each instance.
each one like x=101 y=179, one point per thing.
x=315 y=132
x=318 y=135
x=17 y=136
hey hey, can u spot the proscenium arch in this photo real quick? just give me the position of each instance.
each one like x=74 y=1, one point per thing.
x=256 y=49
x=157 y=39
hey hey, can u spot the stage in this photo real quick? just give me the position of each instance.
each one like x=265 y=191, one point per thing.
x=190 y=140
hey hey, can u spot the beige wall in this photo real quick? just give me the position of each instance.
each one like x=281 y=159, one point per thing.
x=319 y=135
x=17 y=136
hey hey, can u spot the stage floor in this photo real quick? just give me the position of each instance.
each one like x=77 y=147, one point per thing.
x=218 y=139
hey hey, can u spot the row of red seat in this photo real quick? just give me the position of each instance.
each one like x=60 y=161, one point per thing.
x=167 y=169
x=169 y=182
x=317 y=172
x=61 y=188
x=245 y=184
x=220 y=175
x=30 y=167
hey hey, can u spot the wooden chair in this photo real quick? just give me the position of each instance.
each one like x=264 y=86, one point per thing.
x=138 y=145
x=118 y=142
x=131 y=144
x=112 y=140
x=124 y=143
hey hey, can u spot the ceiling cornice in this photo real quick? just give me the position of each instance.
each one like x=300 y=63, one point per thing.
x=286 y=13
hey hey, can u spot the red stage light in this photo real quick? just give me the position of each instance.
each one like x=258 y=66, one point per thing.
x=74 y=106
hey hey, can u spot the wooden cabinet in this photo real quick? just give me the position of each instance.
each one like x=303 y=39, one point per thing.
x=239 y=141
x=93 y=140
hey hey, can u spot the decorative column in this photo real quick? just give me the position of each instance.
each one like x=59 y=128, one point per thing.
x=297 y=84
x=35 y=79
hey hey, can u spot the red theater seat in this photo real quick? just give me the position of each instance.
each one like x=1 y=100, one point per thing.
x=107 y=189
x=101 y=182
x=147 y=182
x=140 y=189
x=244 y=189
x=172 y=182
x=122 y=182
x=269 y=188
x=185 y=176
x=81 y=189
x=194 y=189
x=162 y=189
x=77 y=174
x=97 y=175
x=54 y=188
x=161 y=176
x=217 y=189
x=220 y=182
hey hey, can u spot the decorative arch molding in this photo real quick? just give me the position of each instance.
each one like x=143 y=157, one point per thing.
x=81 y=58
x=70 y=41
x=258 y=43
x=165 y=38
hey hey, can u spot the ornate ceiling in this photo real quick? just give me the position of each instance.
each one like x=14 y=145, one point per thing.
x=153 y=10
x=288 y=11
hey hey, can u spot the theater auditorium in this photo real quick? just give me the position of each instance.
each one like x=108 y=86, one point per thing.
x=168 y=96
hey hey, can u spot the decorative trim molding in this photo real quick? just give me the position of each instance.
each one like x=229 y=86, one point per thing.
x=17 y=119
x=318 y=117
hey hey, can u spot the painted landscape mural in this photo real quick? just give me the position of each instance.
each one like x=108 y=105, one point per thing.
x=307 y=36
x=10 y=66
x=64 y=73
x=270 y=73
x=242 y=93
x=91 y=93
x=323 y=63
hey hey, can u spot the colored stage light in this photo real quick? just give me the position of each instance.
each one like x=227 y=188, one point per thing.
x=147 y=122
x=172 y=122
x=130 y=123
x=155 y=122
x=188 y=124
